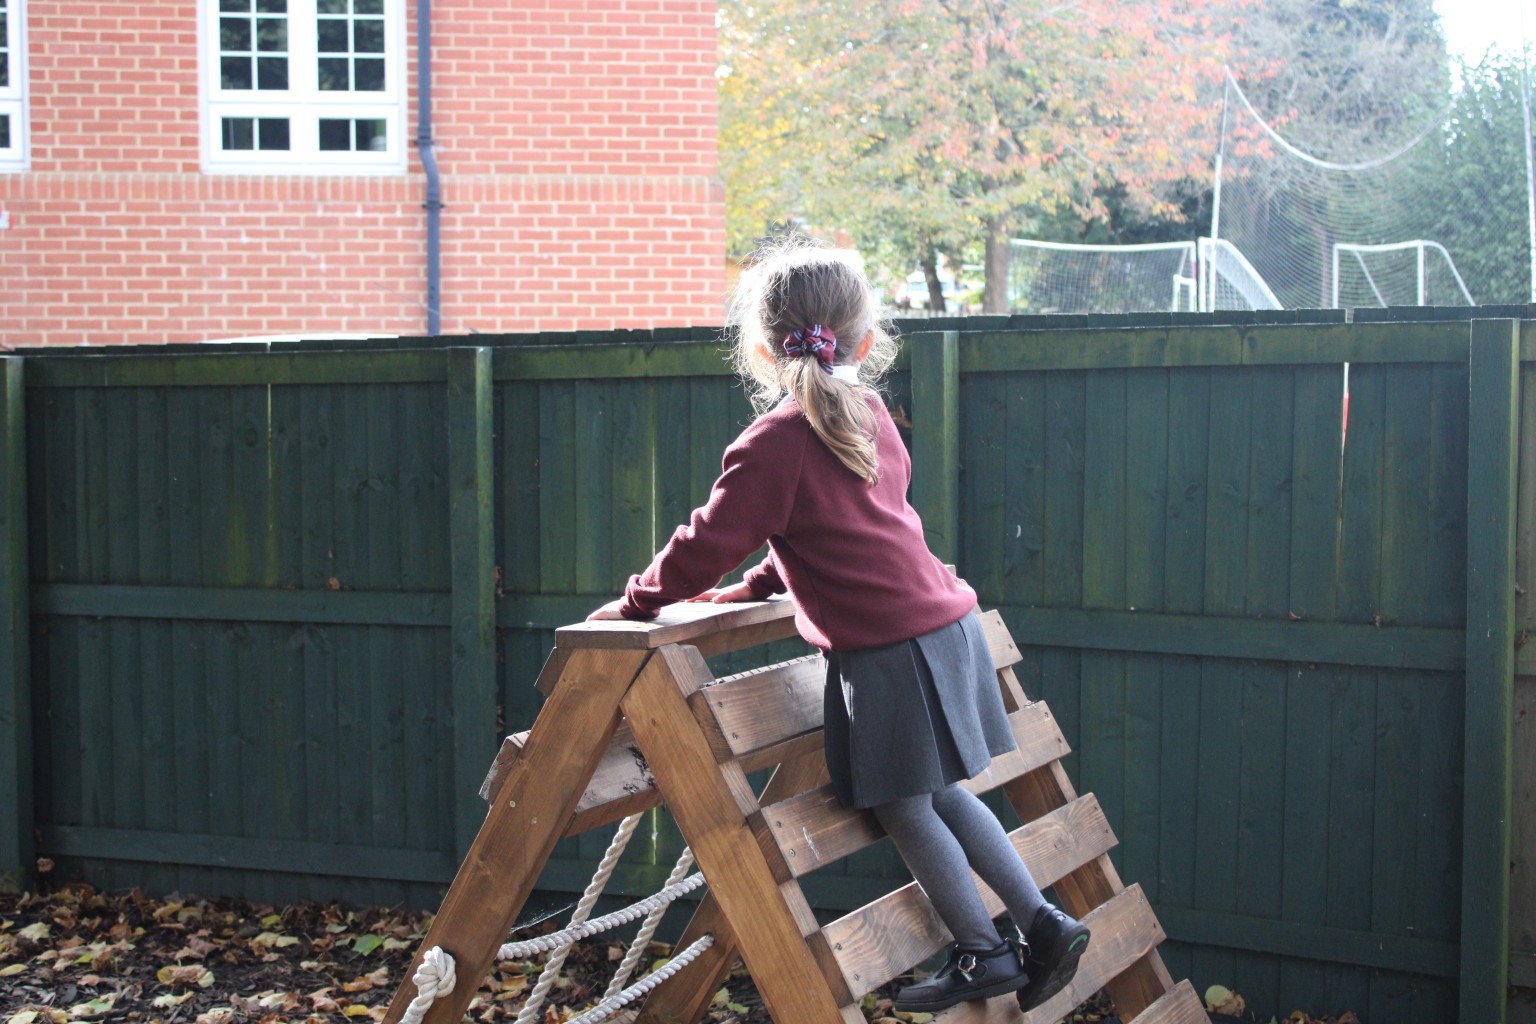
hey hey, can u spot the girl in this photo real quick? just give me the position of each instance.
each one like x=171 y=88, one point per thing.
x=912 y=702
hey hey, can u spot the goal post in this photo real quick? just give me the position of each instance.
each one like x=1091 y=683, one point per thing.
x=1418 y=272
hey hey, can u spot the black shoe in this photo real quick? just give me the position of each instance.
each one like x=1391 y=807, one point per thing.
x=967 y=975
x=1052 y=947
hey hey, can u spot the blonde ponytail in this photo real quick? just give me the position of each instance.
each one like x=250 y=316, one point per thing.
x=794 y=284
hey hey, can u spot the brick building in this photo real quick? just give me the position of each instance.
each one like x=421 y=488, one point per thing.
x=202 y=169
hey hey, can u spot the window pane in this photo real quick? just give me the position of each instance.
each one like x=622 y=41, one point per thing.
x=272 y=35
x=370 y=6
x=274 y=132
x=235 y=73
x=235 y=34
x=237 y=133
x=332 y=7
x=367 y=36
x=370 y=75
x=5 y=131
x=272 y=73
x=332 y=36
x=335 y=134
x=370 y=136
x=333 y=74
x=272 y=6
x=235 y=5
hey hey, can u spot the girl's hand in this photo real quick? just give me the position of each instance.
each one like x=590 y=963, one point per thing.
x=739 y=592
x=607 y=611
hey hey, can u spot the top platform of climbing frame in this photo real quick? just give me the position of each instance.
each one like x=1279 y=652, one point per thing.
x=713 y=628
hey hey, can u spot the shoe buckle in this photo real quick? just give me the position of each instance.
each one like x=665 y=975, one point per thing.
x=966 y=965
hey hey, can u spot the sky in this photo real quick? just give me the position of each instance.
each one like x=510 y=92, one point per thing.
x=1471 y=26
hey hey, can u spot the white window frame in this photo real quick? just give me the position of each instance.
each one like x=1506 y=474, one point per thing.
x=303 y=103
x=13 y=97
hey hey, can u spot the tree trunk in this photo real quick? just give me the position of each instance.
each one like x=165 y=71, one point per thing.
x=994 y=296
x=930 y=263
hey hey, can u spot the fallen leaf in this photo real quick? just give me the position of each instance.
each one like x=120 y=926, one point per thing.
x=35 y=932
x=170 y=1000
x=365 y=944
x=10 y=971
x=355 y=1010
x=24 y=1017
x=94 y=1008
x=217 y=1015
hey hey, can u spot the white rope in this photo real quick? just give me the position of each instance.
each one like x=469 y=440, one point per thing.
x=648 y=928
x=434 y=978
x=535 y=1002
x=565 y=936
x=610 y=1005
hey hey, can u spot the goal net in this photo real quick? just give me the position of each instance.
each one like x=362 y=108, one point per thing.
x=1417 y=273
x=1058 y=277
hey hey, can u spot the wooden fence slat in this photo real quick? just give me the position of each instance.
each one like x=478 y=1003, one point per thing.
x=1493 y=379
x=471 y=475
x=936 y=439
x=16 y=765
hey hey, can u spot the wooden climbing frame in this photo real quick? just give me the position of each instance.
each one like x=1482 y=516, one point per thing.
x=616 y=688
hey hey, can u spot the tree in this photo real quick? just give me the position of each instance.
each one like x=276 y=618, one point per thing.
x=922 y=126
x=1471 y=183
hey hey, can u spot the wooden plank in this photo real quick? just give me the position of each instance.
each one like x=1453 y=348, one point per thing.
x=1217 y=636
x=1492 y=472
x=878 y=942
x=471 y=480
x=713 y=628
x=936 y=439
x=593 y=510
x=628 y=359
x=1005 y=653
x=16 y=726
x=232 y=369
x=558 y=460
x=761 y=708
x=1251 y=345
x=1299 y=939
x=524 y=823
x=1095 y=883
x=244 y=604
x=710 y=804
x=989 y=448
x=687 y=995
x=247 y=853
x=1179 y=1005
x=811 y=830
x=1124 y=931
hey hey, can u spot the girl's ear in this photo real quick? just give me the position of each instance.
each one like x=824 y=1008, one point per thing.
x=763 y=352
x=865 y=344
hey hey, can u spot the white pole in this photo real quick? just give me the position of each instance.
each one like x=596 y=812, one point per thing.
x=1207 y=286
x=1420 y=250
x=1335 y=275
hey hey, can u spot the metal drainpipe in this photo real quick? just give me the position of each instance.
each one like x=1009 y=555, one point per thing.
x=434 y=203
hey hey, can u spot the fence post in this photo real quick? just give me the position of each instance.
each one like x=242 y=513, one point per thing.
x=1493 y=413
x=935 y=366
x=16 y=852
x=471 y=474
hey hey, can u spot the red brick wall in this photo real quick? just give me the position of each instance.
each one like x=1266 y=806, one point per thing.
x=576 y=140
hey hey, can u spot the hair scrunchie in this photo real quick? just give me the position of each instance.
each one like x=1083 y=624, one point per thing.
x=814 y=340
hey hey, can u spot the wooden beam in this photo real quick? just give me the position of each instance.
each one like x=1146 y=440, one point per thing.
x=1492 y=474
x=471 y=476
x=710 y=803
x=16 y=770
x=936 y=439
x=529 y=815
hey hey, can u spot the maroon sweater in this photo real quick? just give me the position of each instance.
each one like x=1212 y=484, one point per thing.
x=851 y=556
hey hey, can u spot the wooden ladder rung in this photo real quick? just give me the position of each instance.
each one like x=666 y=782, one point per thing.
x=1124 y=930
x=813 y=829
x=878 y=942
x=1179 y=1005
x=622 y=784
x=761 y=714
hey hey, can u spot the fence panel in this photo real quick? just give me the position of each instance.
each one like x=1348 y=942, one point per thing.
x=253 y=581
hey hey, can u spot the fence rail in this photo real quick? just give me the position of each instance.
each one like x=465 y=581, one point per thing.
x=269 y=612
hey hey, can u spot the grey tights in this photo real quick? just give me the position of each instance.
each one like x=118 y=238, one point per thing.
x=938 y=835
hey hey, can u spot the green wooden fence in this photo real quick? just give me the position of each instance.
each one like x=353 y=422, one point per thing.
x=265 y=607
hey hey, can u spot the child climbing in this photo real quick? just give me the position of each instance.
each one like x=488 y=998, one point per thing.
x=912 y=706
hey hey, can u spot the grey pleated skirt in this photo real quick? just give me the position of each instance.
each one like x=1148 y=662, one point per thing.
x=913 y=717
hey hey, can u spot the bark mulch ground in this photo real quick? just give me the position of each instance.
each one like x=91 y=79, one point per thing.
x=74 y=954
